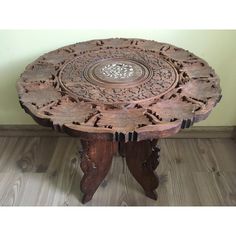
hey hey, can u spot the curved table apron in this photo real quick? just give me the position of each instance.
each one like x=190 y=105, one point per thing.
x=119 y=95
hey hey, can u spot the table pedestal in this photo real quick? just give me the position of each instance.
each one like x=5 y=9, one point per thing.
x=142 y=159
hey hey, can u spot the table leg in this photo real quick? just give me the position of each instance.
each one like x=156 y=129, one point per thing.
x=142 y=159
x=96 y=159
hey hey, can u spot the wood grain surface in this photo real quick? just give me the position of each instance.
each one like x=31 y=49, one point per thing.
x=192 y=172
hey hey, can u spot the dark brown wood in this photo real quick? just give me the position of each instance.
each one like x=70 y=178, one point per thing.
x=128 y=91
x=96 y=159
x=142 y=159
x=119 y=89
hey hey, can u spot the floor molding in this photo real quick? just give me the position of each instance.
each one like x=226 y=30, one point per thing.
x=194 y=132
x=207 y=132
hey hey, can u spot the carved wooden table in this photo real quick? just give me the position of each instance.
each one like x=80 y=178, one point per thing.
x=119 y=95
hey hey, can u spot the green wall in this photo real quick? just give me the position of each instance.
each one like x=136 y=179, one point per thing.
x=20 y=47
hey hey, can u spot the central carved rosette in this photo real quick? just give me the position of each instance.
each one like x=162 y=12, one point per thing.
x=118 y=70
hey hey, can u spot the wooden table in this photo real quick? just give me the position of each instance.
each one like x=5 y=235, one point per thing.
x=119 y=95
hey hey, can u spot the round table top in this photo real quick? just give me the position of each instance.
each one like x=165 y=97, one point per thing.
x=119 y=89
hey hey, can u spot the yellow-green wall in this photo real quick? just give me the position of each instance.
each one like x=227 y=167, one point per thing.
x=20 y=47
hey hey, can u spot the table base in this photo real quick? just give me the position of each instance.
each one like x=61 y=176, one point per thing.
x=142 y=159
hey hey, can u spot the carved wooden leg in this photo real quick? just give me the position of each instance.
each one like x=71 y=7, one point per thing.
x=96 y=160
x=142 y=159
x=121 y=149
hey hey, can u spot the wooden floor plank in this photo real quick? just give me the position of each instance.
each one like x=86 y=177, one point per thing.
x=207 y=189
x=193 y=172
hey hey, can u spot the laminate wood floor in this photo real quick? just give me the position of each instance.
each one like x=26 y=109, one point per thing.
x=44 y=171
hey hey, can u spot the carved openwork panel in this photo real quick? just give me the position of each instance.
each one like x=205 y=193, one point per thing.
x=114 y=76
x=121 y=89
